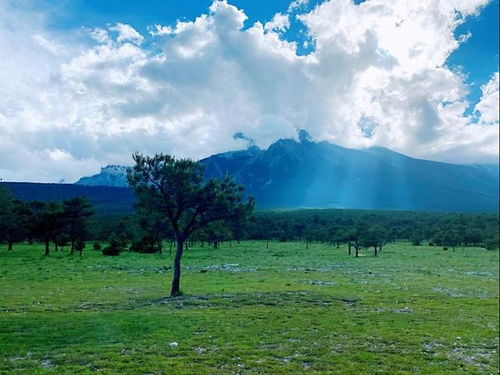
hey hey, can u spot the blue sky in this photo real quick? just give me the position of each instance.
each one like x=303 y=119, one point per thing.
x=479 y=54
x=477 y=57
x=106 y=83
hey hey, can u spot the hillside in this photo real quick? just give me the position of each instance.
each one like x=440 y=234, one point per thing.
x=105 y=199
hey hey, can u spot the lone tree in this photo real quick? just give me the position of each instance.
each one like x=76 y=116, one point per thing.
x=175 y=188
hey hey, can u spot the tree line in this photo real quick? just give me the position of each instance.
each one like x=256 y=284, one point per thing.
x=375 y=228
x=61 y=223
x=354 y=228
x=70 y=222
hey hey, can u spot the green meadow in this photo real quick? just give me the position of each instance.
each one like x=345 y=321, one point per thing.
x=247 y=309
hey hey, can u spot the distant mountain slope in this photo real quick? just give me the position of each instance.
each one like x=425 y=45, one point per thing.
x=291 y=174
x=105 y=199
x=308 y=174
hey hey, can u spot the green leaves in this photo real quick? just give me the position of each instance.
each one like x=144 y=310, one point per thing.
x=175 y=187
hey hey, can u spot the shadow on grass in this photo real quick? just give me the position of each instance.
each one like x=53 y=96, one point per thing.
x=205 y=301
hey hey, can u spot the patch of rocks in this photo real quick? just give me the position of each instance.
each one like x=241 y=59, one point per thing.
x=319 y=282
x=404 y=310
x=230 y=267
x=480 y=273
x=47 y=363
x=200 y=350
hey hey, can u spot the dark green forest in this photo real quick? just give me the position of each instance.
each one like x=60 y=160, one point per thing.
x=75 y=224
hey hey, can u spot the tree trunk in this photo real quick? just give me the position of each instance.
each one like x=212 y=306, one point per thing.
x=72 y=251
x=337 y=245
x=267 y=244
x=176 y=281
x=357 y=250
x=375 y=250
x=10 y=245
x=307 y=244
x=47 y=249
x=349 y=245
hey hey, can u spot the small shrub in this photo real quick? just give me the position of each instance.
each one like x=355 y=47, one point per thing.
x=491 y=244
x=97 y=246
x=115 y=247
x=110 y=251
x=146 y=245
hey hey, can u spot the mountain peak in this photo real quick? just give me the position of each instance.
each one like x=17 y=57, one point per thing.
x=110 y=175
x=304 y=136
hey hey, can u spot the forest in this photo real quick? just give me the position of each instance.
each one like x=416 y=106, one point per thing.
x=73 y=223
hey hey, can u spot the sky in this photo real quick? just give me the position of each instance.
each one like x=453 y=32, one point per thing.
x=86 y=83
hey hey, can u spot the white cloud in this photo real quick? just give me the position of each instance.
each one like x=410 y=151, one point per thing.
x=488 y=104
x=378 y=75
x=280 y=22
x=127 y=33
x=49 y=45
x=297 y=4
x=100 y=35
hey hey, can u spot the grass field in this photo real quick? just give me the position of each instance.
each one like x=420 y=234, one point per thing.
x=251 y=310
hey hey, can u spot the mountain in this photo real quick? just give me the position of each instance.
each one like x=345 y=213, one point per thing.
x=291 y=174
x=110 y=175
x=307 y=174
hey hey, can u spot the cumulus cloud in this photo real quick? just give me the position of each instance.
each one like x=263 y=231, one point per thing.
x=488 y=104
x=280 y=22
x=297 y=4
x=377 y=76
x=127 y=33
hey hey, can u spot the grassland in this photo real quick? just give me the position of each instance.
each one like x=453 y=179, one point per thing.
x=251 y=310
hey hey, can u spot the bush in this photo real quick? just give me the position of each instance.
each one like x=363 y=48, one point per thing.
x=145 y=245
x=97 y=246
x=115 y=247
x=491 y=244
x=110 y=251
